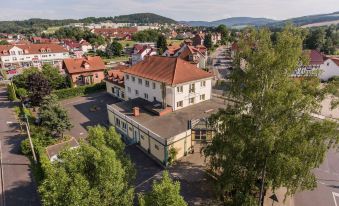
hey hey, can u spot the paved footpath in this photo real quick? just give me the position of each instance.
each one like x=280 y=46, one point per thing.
x=16 y=182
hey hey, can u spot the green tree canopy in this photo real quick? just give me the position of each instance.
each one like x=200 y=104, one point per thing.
x=269 y=136
x=55 y=79
x=165 y=192
x=53 y=116
x=161 y=43
x=21 y=79
x=114 y=49
x=89 y=176
x=149 y=35
x=208 y=41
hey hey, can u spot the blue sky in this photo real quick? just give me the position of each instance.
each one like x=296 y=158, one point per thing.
x=176 y=9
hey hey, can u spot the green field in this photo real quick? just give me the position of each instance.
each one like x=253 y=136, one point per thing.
x=52 y=30
x=125 y=43
x=116 y=59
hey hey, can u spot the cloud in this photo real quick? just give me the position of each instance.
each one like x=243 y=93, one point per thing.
x=176 y=9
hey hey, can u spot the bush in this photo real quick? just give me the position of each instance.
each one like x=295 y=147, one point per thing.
x=79 y=91
x=11 y=92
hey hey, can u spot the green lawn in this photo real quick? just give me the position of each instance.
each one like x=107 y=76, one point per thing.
x=116 y=59
x=124 y=43
x=52 y=29
x=174 y=41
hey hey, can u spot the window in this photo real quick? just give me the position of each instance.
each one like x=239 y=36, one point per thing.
x=12 y=52
x=133 y=79
x=140 y=81
x=192 y=88
x=113 y=90
x=137 y=92
x=147 y=83
x=154 y=99
x=180 y=89
x=153 y=85
x=127 y=76
x=146 y=96
x=124 y=126
x=142 y=136
x=191 y=100
x=202 y=97
x=156 y=147
x=180 y=104
x=117 y=122
x=203 y=83
x=129 y=89
x=14 y=58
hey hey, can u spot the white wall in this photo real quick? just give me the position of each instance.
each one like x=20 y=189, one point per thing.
x=328 y=70
x=185 y=95
x=142 y=89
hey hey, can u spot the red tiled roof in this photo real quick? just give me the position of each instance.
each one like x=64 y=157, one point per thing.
x=335 y=60
x=316 y=58
x=168 y=70
x=77 y=65
x=33 y=48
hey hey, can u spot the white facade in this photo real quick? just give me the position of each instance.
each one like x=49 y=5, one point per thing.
x=177 y=96
x=328 y=70
x=23 y=59
x=141 y=56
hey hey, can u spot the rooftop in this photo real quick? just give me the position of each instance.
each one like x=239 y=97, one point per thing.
x=54 y=150
x=168 y=70
x=85 y=64
x=173 y=123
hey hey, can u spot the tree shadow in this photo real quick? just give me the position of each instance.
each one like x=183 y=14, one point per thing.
x=21 y=193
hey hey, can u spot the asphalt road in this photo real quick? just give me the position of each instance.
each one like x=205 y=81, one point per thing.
x=17 y=185
x=327 y=191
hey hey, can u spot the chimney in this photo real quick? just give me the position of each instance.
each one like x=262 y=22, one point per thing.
x=136 y=111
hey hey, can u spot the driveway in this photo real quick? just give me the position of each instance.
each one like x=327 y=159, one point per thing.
x=17 y=186
x=194 y=183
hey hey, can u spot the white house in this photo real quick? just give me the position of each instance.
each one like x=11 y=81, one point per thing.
x=171 y=81
x=168 y=102
x=32 y=55
x=140 y=51
x=329 y=68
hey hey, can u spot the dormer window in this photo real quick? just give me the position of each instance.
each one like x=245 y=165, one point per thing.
x=42 y=50
x=48 y=50
x=86 y=65
x=5 y=52
x=12 y=52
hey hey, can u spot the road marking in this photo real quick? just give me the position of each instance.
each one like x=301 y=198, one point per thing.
x=335 y=195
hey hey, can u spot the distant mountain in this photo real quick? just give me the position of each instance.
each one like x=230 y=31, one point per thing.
x=232 y=22
x=248 y=21
x=37 y=25
x=143 y=18
x=306 y=20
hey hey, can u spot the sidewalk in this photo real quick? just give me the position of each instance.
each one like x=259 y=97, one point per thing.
x=280 y=194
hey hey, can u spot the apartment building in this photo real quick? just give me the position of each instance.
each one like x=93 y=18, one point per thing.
x=31 y=55
x=168 y=102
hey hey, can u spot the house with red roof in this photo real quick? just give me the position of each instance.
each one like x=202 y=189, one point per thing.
x=168 y=101
x=140 y=51
x=85 y=70
x=115 y=83
x=23 y=55
x=330 y=68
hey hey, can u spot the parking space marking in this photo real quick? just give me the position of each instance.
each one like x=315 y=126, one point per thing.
x=334 y=196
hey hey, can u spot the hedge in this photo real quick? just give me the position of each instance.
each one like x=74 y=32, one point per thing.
x=79 y=91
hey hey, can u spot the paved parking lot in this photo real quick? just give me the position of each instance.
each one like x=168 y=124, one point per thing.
x=195 y=184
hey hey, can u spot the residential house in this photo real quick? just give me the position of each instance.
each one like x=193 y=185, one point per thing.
x=330 y=68
x=116 y=33
x=196 y=55
x=53 y=151
x=140 y=51
x=85 y=70
x=78 y=48
x=115 y=84
x=199 y=38
x=168 y=105
x=32 y=55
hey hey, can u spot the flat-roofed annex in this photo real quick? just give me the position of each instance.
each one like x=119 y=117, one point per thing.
x=174 y=123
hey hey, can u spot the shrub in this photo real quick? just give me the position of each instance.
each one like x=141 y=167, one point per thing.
x=11 y=92
x=79 y=91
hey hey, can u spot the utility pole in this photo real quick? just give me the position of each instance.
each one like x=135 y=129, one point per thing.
x=29 y=136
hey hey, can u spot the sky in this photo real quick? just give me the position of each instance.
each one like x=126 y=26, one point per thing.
x=206 y=10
